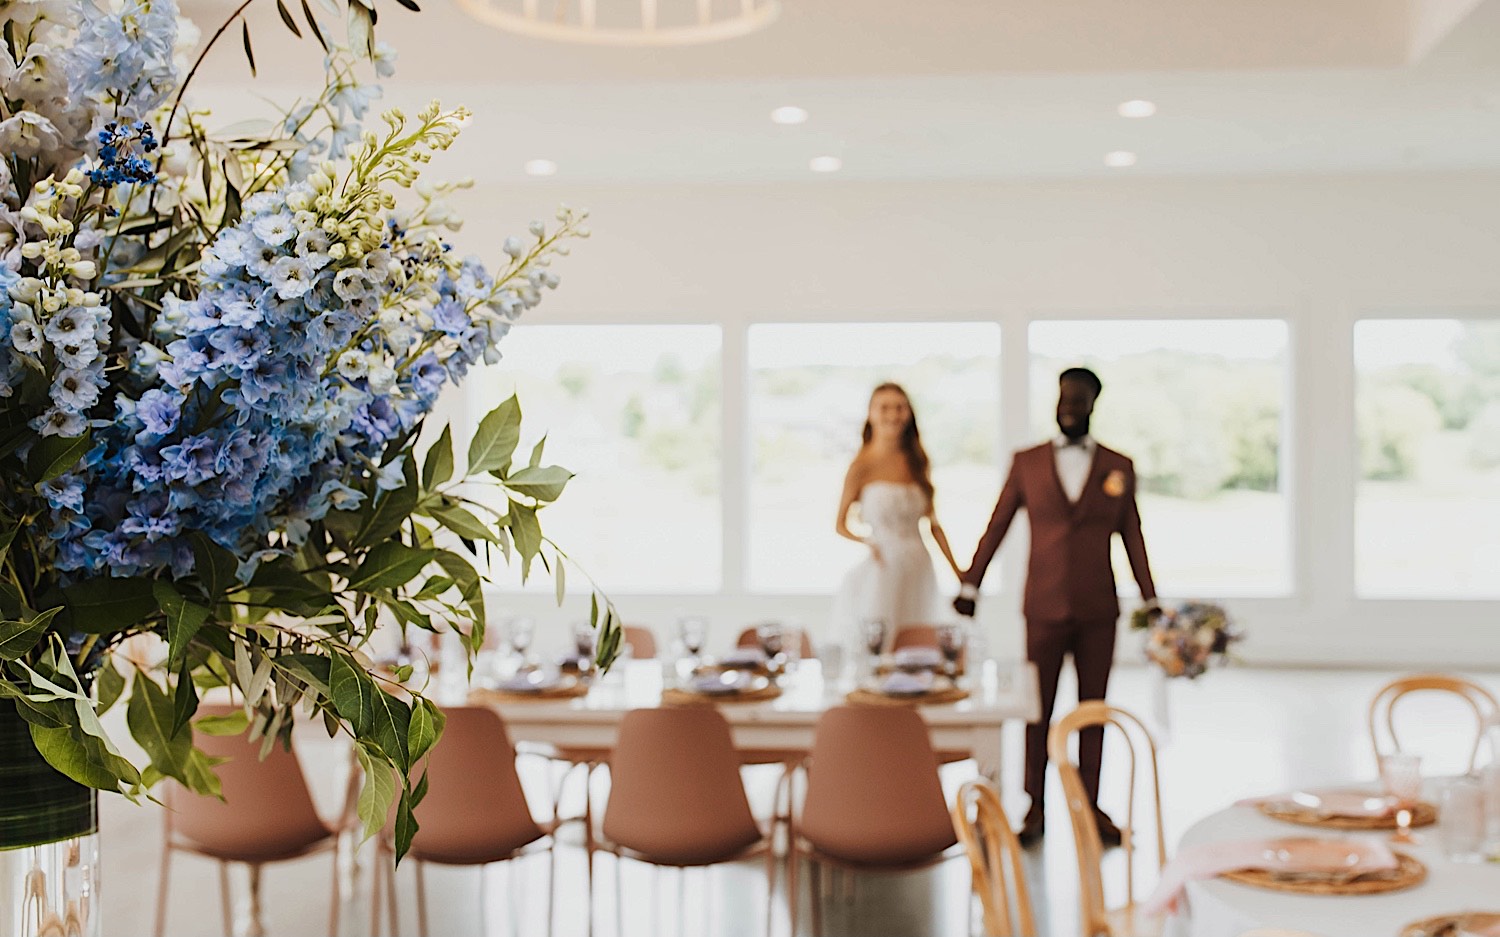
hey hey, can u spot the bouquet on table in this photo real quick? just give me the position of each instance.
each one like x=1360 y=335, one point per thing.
x=1182 y=641
x=217 y=352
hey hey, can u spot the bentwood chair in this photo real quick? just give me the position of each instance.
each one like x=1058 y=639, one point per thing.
x=1097 y=919
x=475 y=813
x=874 y=800
x=1383 y=709
x=676 y=798
x=642 y=642
x=266 y=816
x=995 y=859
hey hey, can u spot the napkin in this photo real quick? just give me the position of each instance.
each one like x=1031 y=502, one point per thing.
x=722 y=681
x=744 y=657
x=917 y=657
x=1333 y=803
x=906 y=684
x=531 y=681
x=1303 y=854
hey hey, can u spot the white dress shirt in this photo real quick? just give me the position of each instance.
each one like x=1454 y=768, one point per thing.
x=1074 y=459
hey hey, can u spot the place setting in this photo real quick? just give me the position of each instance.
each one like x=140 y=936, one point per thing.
x=570 y=677
x=913 y=675
x=746 y=674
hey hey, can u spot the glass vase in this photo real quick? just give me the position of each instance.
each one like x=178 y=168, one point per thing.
x=49 y=842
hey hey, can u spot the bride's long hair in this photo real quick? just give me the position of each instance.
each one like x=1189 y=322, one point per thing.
x=911 y=440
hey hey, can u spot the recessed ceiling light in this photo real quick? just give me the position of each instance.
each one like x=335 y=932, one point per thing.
x=789 y=114
x=541 y=167
x=1119 y=159
x=1137 y=108
x=825 y=164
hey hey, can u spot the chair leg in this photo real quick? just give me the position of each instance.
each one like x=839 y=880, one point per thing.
x=333 y=911
x=375 y=884
x=257 y=927
x=619 y=897
x=552 y=888
x=793 y=883
x=161 y=890
x=815 y=874
x=224 y=899
x=421 y=900
x=389 y=868
x=770 y=883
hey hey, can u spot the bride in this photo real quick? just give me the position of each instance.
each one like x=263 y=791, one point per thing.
x=890 y=480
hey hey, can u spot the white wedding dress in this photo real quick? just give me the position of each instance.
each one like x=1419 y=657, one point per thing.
x=900 y=589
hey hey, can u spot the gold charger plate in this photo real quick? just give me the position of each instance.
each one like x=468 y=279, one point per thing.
x=568 y=688
x=1422 y=814
x=760 y=690
x=1449 y=925
x=861 y=696
x=1408 y=873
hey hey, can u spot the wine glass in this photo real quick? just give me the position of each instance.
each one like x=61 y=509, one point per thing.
x=693 y=633
x=770 y=638
x=873 y=630
x=519 y=631
x=1402 y=777
x=951 y=640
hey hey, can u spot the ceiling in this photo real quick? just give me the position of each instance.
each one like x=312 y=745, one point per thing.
x=942 y=89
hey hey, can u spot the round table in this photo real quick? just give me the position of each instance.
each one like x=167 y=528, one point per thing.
x=1217 y=908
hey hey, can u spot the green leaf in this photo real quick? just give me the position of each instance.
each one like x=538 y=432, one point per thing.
x=495 y=440
x=104 y=605
x=361 y=30
x=461 y=522
x=439 y=465
x=352 y=692
x=84 y=758
x=109 y=683
x=18 y=637
x=387 y=512
x=249 y=53
x=286 y=17
x=469 y=585
x=562 y=580
x=392 y=726
x=234 y=723
x=527 y=534
x=434 y=587
x=151 y=719
x=184 y=699
x=55 y=455
x=312 y=23
x=406 y=825
x=544 y=483
x=184 y=618
x=377 y=794
x=426 y=724
x=536 y=452
x=7 y=536
x=389 y=565
x=215 y=566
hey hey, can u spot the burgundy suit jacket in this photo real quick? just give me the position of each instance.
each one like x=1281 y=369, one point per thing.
x=1070 y=575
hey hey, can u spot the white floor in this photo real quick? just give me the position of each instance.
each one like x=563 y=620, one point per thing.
x=1233 y=733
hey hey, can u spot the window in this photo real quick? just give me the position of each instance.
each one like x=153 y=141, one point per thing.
x=1198 y=404
x=809 y=392
x=634 y=411
x=1427 y=507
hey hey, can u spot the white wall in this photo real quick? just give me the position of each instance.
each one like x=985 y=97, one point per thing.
x=1318 y=251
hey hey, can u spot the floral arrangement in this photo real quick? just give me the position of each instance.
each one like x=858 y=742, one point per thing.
x=217 y=354
x=1183 y=641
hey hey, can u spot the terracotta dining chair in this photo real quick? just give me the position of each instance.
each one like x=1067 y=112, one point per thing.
x=874 y=800
x=751 y=638
x=1383 y=708
x=676 y=798
x=914 y=636
x=642 y=642
x=1096 y=918
x=995 y=859
x=266 y=816
x=475 y=813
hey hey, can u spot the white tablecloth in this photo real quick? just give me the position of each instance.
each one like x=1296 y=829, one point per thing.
x=1217 y=908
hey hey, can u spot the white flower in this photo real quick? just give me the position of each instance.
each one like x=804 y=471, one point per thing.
x=390 y=476
x=514 y=246
x=353 y=365
x=292 y=277
x=382 y=378
x=26 y=337
x=28 y=134
x=350 y=283
x=384 y=59
x=275 y=229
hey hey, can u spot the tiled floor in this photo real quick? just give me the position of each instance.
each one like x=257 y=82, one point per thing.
x=1232 y=734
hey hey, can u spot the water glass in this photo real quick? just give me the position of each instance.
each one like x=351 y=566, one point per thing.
x=518 y=632
x=693 y=632
x=1402 y=776
x=584 y=637
x=873 y=631
x=1461 y=819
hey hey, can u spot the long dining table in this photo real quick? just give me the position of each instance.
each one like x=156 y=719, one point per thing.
x=998 y=692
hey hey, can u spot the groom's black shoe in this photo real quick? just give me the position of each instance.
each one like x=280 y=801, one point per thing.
x=1033 y=828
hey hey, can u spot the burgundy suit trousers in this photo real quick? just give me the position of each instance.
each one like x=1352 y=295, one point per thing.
x=1092 y=644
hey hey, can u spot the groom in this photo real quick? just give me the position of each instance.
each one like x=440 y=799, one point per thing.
x=1077 y=495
